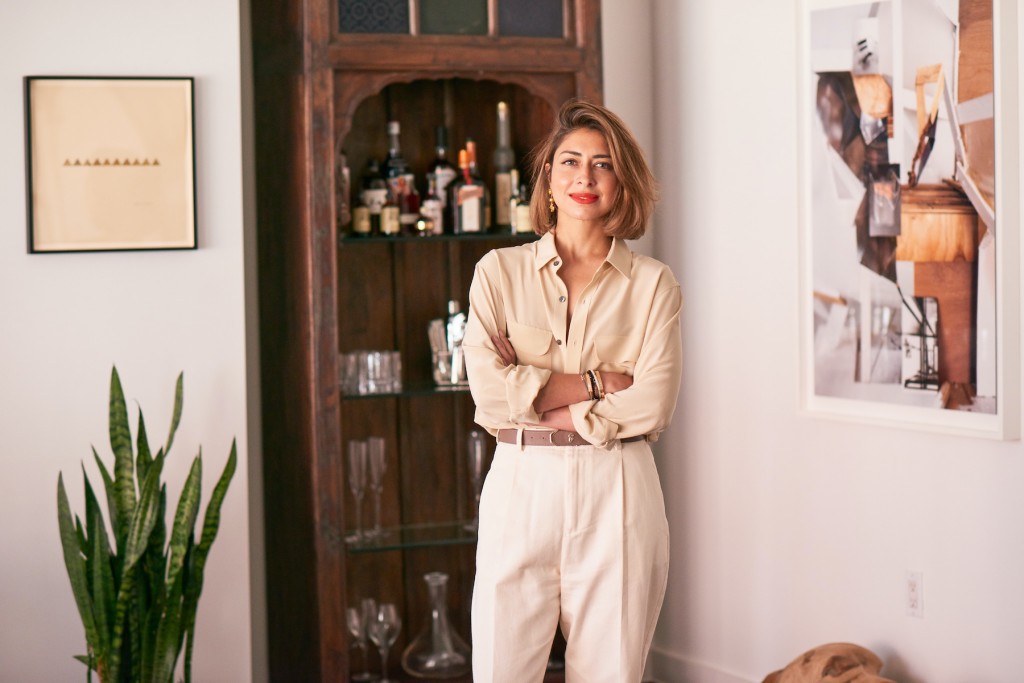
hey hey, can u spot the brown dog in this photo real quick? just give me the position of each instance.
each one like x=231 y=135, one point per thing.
x=832 y=663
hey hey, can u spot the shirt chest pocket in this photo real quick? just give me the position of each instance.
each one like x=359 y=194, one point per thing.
x=618 y=353
x=532 y=344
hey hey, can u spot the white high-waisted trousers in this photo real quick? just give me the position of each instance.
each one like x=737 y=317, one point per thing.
x=575 y=536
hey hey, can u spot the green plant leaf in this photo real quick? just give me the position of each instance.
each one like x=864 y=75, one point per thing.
x=138 y=538
x=144 y=457
x=168 y=640
x=101 y=576
x=111 y=494
x=211 y=524
x=179 y=393
x=121 y=444
x=74 y=561
x=184 y=521
x=154 y=561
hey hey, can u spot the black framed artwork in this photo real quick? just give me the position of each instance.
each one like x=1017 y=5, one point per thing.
x=110 y=163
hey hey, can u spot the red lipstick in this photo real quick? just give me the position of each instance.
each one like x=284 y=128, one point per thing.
x=583 y=197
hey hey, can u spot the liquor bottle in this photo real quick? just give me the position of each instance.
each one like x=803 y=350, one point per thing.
x=408 y=203
x=394 y=166
x=374 y=193
x=361 y=218
x=468 y=198
x=504 y=162
x=389 y=218
x=441 y=168
x=343 y=197
x=474 y=173
x=432 y=208
x=513 y=200
x=524 y=220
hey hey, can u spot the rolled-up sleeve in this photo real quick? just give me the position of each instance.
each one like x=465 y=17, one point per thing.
x=503 y=394
x=646 y=407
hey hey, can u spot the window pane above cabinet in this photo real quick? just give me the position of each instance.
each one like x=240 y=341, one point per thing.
x=531 y=18
x=373 y=16
x=453 y=17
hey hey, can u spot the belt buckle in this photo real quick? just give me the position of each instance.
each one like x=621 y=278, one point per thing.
x=569 y=438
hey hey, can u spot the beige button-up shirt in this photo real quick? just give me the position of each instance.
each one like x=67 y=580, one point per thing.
x=626 y=320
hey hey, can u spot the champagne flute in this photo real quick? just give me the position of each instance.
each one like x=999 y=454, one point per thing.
x=475 y=443
x=383 y=631
x=357 y=460
x=357 y=619
x=378 y=466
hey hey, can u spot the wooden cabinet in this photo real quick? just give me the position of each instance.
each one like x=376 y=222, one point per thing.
x=318 y=88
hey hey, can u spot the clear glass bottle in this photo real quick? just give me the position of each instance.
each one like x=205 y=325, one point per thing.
x=438 y=652
x=504 y=162
x=395 y=167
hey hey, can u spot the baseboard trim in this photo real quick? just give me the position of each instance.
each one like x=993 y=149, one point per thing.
x=671 y=667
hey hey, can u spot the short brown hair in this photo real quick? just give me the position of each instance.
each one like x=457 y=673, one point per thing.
x=638 y=190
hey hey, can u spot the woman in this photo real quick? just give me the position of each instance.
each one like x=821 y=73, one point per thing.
x=573 y=356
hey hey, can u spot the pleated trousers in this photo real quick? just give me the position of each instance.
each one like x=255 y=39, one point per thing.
x=573 y=536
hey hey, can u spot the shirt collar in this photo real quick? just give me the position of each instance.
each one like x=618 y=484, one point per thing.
x=619 y=255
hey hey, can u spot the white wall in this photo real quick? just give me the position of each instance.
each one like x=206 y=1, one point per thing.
x=791 y=531
x=68 y=317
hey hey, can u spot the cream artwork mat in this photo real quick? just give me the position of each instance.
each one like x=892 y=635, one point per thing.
x=110 y=163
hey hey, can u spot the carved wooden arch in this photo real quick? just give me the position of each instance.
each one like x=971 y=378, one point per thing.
x=352 y=88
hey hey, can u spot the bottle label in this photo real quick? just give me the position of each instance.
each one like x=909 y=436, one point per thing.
x=361 y=220
x=523 y=221
x=389 y=224
x=444 y=177
x=375 y=199
x=469 y=198
x=502 y=198
x=433 y=210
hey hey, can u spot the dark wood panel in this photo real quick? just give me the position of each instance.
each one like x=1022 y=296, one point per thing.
x=366 y=307
x=421 y=295
x=317 y=299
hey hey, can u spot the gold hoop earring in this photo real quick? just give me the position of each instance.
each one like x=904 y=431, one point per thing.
x=551 y=202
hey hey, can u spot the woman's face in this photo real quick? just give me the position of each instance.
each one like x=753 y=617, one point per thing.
x=583 y=182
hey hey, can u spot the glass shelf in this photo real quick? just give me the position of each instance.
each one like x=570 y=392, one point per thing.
x=462 y=237
x=409 y=536
x=414 y=390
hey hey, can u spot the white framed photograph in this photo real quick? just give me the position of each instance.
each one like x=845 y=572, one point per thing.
x=909 y=231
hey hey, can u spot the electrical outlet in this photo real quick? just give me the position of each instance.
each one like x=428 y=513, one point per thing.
x=915 y=594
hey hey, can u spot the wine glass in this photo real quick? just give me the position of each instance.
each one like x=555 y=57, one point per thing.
x=357 y=619
x=476 y=473
x=383 y=631
x=378 y=466
x=357 y=460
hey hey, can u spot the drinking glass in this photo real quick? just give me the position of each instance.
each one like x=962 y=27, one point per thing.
x=378 y=466
x=383 y=631
x=357 y=619
x=475 y=443
x=357 y=461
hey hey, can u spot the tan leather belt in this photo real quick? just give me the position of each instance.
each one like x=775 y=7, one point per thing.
x=559 y=437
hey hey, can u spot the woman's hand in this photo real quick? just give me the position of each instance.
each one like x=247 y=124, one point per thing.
x=504 y=348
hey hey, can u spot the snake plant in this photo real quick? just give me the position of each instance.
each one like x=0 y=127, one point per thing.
x=137 y=587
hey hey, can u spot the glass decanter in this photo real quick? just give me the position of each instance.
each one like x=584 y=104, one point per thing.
x=438 y=651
